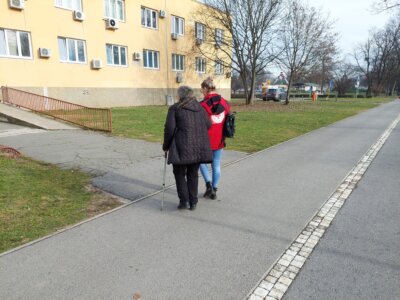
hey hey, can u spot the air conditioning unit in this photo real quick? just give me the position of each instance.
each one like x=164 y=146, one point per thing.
x=199 y=41
x=228 y=74
x=96 y=64
x=179 y=78
x=174 y=36
x=17 y=4
x=44 y=52
x=137 y=56
x=111 y=23
x=79 y=15
x=162 y=14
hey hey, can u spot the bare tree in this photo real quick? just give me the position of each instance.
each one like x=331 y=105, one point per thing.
x=304 y=32
x=363 y=58
x=384 y=62
x=379 y=58
x=343 y=78
x=248 y=45
x=382 y=5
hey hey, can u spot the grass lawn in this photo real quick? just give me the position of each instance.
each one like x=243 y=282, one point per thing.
x=258 y=126
x=36 y=199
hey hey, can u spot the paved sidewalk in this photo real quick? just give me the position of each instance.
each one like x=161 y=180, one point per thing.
x=359 y=257
x=219 y=251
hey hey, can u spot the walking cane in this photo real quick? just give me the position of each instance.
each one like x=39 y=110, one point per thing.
x=163 y=184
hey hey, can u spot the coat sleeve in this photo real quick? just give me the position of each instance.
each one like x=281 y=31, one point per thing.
x=207 y=119
x=169 y=128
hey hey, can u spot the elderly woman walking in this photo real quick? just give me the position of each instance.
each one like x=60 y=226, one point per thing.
x=187 y=142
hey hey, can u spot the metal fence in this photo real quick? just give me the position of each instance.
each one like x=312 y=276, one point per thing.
x=92 y=118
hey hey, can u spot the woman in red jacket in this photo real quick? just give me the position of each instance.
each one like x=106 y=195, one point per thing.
x=217 y=108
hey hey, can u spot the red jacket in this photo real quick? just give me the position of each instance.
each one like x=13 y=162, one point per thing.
x=217 y=108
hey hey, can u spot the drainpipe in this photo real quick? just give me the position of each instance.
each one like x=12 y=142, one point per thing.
x=169 y=98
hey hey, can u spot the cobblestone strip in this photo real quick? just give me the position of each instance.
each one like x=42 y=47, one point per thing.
x=278 y=279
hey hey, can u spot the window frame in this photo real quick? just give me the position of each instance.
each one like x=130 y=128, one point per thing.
x=178 y=60
x=119 y=47
x=200 y=62
x=76 y=50
x=65 y=6
x=219 y=67
x=113 y=10
x=145 y=59
x=144 y=15
x=181 y=25
x=19 y=44
x=203 y=31
x=219 y=36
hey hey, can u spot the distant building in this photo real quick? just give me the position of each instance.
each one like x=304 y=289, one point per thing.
x=103 y=53
x=305 y=86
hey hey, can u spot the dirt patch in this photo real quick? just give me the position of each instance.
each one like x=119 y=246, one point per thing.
x=101 y=202
x=9 y=152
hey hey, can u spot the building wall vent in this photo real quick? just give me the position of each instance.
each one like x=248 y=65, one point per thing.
x=96 y=64
x=111 y=23
x=44 y=52
x=137 y=56
x=79 y=15
x=17 y=4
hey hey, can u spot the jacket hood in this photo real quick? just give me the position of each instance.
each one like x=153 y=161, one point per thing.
x=214 y=106
x=191 y=105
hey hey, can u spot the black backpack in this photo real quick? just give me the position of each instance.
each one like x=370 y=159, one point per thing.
x=229 y=125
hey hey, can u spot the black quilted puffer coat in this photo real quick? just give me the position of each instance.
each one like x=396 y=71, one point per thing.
x=186 y=134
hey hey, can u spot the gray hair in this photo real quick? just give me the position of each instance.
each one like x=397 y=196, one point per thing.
x=185 y=92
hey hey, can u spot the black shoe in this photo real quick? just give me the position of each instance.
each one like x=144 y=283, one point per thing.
x=208 y=190
x=183 y=205
x=193 y=206
x=213 y=194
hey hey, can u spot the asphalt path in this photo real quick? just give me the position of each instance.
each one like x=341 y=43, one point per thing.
x=219 y=251
x=359 y=256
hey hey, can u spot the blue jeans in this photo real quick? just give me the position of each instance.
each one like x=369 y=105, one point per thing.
x=215 y=167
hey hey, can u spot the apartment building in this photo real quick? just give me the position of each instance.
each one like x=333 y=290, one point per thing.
x=104 y=53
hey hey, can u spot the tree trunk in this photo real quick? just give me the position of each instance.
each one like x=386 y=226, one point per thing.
x=393 y=89
x=288 y=91
x=245 y=87
x=252 y=84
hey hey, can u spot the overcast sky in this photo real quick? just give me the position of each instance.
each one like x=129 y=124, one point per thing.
x=354 y=18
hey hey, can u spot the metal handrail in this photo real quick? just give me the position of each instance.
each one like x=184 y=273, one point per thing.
x=92 y=118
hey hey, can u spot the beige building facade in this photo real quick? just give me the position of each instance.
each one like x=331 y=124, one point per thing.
x=103 y=53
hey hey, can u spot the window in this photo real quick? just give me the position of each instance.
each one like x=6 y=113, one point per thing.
x=116 y=55
x=149 y=18
x=178 y=25
x=151 y=59
x=200 y=31
x=72 y=50
x=114 y=9
x=69 y=4
x=200 y=65
x=219 y=68
x=178 y=62
x=15 y=43
x=219 y=37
